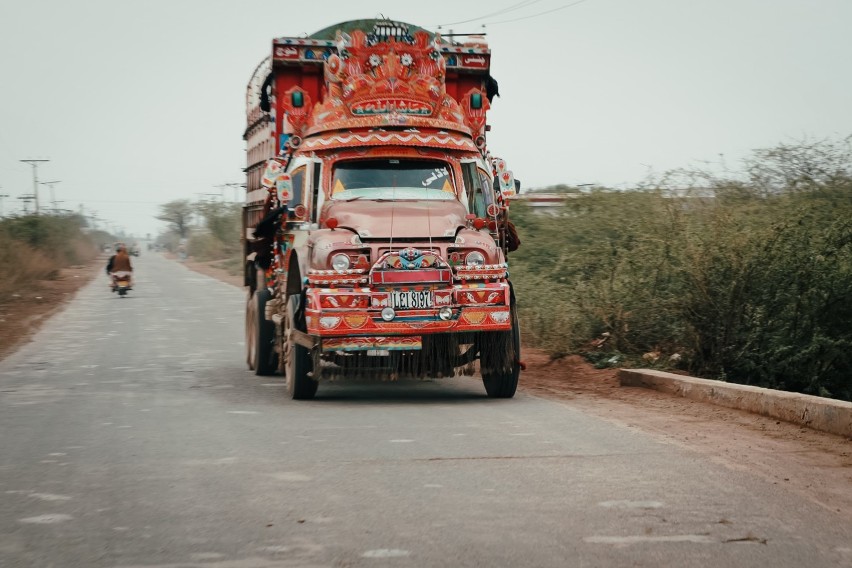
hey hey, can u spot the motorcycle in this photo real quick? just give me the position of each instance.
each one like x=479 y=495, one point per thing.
x=121 y=282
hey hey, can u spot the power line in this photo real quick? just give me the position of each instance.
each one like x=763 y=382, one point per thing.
x=534 y=15
x=34 y=163
x=517 y=6
x=50 y=184
x=111 y=204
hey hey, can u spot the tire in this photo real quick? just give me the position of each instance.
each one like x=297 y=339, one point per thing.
x=260 y=335
x=500 y=362
x=297 y=358
x=122 y=291
x=251 y=331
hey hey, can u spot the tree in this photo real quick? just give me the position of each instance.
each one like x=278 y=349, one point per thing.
x=178 y=215
x=223 y=220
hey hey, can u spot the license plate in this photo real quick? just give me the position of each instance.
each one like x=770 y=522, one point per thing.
x=412 y=300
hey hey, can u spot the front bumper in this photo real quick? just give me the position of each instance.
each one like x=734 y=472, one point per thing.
x=343 y=313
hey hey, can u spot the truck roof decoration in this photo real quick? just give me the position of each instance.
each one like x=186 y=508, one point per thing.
x=387 y=78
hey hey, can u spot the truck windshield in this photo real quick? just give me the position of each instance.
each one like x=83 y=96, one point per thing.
x=392 y=179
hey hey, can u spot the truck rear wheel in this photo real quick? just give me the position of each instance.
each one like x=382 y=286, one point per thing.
x=500 y=359
x=251 y=323
x=297 y=358
x=260 y=335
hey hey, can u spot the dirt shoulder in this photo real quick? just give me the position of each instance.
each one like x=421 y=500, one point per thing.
x=813 y=464
x=23 y=314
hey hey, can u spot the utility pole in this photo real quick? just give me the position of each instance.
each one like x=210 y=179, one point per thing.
x=34 y=164
x=50 y=184
x=233 y=185
x=2 y=197
x=26 y=199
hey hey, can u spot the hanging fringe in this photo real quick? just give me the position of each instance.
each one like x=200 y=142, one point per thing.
x=496 y=353
x=442 y=356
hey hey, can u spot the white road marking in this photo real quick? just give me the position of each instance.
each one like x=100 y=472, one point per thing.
x=632 y=504
x=49 y=519
x=386 y=553
x=242 y=412
x=401 y=441
x=290 y=476
x=201 y=556
x=50 y=497
x=636 y=539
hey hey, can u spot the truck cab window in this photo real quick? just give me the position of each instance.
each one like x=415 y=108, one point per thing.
x=298 y=177
x=315 y=190
x=477 y=196
x=392 y=179
x=488 y=194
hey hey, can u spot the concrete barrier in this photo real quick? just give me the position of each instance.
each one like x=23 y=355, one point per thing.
x=825 y=414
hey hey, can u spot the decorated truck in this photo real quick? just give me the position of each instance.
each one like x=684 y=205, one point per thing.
x=376 y=225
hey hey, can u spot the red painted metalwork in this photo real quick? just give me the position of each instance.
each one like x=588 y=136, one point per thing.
x=362 y=97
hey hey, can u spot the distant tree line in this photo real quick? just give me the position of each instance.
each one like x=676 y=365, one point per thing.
x=209 y=230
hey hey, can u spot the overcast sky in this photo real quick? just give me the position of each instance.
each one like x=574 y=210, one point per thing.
x=139 y=103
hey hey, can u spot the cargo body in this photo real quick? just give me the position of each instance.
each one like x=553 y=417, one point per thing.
x=376 y=220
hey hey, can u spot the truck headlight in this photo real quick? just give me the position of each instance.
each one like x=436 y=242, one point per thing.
x=340 y=261
x=474 y=258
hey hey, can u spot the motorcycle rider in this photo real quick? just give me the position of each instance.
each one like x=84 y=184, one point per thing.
x=119 y=262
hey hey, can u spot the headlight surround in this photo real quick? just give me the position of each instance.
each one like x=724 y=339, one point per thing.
x=341 y=261
x=474 y=258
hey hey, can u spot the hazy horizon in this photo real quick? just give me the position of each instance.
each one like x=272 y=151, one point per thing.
x=137 y=105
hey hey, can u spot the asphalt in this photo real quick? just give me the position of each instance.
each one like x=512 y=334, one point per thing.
x=131 y=435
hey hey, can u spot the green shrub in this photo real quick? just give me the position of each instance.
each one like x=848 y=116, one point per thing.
x=750 y=283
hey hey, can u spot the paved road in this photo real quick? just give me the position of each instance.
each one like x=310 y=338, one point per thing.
x=131 y=435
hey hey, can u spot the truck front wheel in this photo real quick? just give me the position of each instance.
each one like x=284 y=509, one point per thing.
x=499 y=357
x=297 y=358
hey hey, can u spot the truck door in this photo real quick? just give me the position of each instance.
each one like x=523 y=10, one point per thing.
x=315 y=192
x=477 y=184
x=306 y=198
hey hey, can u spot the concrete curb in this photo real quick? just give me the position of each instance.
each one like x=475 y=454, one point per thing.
x=825 y=414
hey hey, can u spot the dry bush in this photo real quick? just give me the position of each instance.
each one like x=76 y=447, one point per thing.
x=34 y=248
x=20 y=265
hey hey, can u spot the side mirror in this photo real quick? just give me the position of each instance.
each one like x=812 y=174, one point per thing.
x=271 y=173
x=518 y=186
x=284 y=187
x=507 y=184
